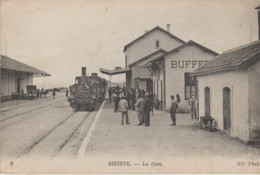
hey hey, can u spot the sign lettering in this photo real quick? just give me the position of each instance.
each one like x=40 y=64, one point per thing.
x=188 y=64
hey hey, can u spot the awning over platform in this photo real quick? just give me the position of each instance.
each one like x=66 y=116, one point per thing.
x=11 y=64
x=115 y=71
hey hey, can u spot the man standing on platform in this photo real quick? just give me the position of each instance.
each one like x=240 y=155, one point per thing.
x=174 y=106
x=192 y=102
x=133 y=100
x=110 y=94
x=147 y=109
x=139 y=106
x=117 y=99
x=123 y=108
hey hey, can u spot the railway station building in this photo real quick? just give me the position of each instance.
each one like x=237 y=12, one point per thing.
x=160 y=62
x=15 y=76
x=229 y=91
x=170 y=73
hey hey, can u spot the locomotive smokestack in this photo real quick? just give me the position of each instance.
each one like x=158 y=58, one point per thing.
x=258 y=11
x=83 y=71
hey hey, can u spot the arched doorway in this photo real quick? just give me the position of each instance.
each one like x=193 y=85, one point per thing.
x=207 y=101
x=226 y=109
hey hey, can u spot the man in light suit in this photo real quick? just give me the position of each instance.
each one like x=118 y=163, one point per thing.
x=123 y=108
x=139 y=107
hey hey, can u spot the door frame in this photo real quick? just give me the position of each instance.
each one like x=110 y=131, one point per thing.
x=209 y=101
x=231 y=106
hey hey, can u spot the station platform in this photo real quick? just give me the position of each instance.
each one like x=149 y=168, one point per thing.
x=182 y=145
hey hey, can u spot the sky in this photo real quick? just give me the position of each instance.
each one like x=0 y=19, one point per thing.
x=61 y=36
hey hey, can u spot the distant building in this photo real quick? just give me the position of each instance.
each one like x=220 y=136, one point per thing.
x=15 y=76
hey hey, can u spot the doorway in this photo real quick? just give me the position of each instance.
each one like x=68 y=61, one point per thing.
x=207 y=102
x=226 y=108
x=18 y=85
x=149 y=85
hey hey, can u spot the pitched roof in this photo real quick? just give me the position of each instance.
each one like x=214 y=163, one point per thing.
x=147 y=57
x=181 y=47
x=192 y=43
x=150 y=31
x=11 y=64
x=232 y=59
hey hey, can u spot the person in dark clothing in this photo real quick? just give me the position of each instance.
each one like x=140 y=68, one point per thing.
x=174 y=106
x=147 y=109
x=117 y=99
x=53 y=93
x=110 y=94
x=128 y=98
x=133 y=100
x=67 y=93
x=178 y=98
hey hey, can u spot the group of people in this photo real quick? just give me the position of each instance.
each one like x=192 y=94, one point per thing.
x=174 y=107
x=142 y=102
x=132 y=99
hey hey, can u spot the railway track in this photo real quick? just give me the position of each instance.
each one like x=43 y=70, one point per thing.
x=11 y=107
x=35 y=109
x=63 y=145
x=30 y=147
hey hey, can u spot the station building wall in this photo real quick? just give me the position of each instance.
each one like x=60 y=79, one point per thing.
x=237 y=82
x=254 y=100
x=139 y=71
x=147 y=45
x=177 y=64
x=9 y=83
x=158 y=86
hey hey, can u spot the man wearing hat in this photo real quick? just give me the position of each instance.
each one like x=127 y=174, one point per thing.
x=147 y=109
x=174 y=106
x=192 y=102
x=123 y=108
x=139 y=106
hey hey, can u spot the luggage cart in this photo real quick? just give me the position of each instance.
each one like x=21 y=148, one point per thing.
x=207 y=122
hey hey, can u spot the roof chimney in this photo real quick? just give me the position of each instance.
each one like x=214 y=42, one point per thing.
x=258 y=9
x=83 y=71
x=168 y=26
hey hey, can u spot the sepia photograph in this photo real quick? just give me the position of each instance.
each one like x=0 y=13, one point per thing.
x=130 y=86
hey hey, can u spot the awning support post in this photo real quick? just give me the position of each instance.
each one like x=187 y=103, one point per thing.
x=110 y=81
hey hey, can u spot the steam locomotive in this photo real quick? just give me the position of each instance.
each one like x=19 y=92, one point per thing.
x=87 y=92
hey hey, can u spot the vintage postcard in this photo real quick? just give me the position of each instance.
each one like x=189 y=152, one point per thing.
x=130 y=86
